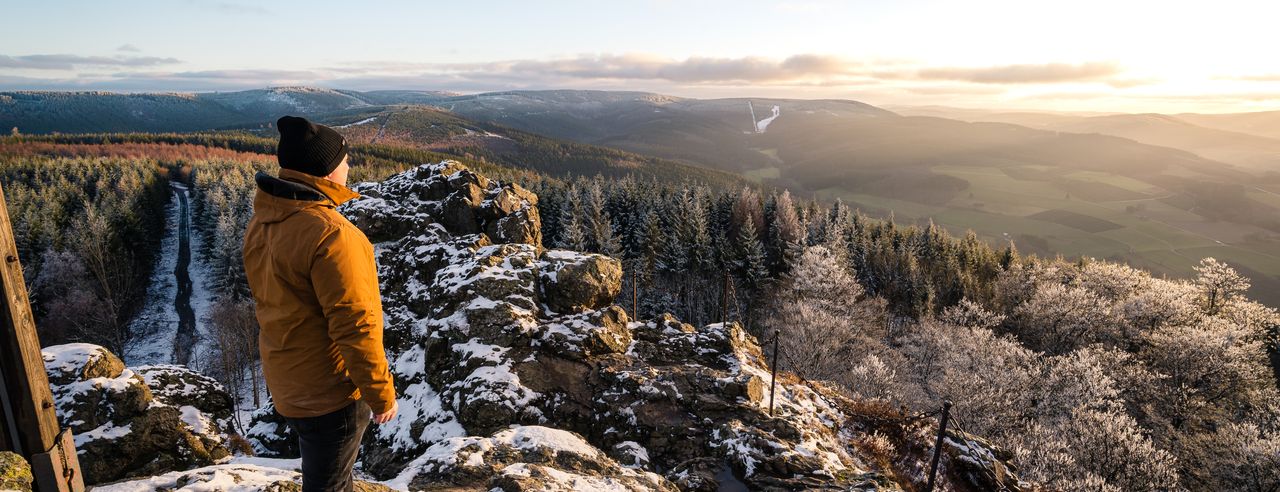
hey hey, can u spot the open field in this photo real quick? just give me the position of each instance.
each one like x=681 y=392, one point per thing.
x=1047 y=210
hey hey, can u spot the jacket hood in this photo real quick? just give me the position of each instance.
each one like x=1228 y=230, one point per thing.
x=280 y=197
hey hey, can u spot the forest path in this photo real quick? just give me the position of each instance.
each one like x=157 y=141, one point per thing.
x=185 y=338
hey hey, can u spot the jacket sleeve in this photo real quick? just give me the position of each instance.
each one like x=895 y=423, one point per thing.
x=345 y=279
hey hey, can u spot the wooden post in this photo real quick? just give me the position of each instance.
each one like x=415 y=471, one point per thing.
x=28 y=401
x=937 y=448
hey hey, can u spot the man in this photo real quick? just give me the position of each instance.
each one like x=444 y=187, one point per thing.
x=315 y=282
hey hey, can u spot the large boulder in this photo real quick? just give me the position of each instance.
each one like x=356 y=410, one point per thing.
x=574 y=282
x=132 y=422
x=524 y=458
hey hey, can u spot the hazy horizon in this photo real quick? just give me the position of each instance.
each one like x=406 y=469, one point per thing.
x=1089 y=56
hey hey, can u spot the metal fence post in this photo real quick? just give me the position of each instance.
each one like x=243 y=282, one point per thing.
x=937 y=448
x=773 y=378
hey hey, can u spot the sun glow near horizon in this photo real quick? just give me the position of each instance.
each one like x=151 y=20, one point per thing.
x=1090 y=55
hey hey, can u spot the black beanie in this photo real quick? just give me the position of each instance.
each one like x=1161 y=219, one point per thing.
x=308 y=147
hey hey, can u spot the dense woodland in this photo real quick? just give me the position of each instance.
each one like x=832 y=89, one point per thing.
x=1097 y=376
x=87 y=230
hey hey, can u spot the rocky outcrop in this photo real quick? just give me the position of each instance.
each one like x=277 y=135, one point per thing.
x=490 y=334
x=15 y=474
x=451 y=195
x=139 y=421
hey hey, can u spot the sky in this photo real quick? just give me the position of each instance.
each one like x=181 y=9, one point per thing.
x=1081 y=55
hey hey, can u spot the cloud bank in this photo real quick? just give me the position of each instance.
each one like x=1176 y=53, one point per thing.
x=71 y=62
x=805 y=75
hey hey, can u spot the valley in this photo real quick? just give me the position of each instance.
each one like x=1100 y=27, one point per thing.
x=1155 y=191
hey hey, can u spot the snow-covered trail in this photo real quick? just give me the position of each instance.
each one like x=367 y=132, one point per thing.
x=169 y=328
x=185 y=337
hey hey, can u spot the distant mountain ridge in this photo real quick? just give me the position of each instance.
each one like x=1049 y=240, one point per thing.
x=96 y=111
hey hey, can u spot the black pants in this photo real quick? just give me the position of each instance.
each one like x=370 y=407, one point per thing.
x=329 y=444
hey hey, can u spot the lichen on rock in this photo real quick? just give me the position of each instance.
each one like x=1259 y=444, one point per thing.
x=15 y=473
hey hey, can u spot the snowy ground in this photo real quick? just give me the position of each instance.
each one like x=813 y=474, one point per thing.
x=358 y=123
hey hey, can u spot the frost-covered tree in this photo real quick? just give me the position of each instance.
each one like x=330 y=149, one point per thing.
x=1058 y=318
x=235 y=344
x=1210 y=371
x=747 y=208
x=1237 y=456
x=824 y=324
x=970 y=314
x=1096 y=450
x=1219 y=283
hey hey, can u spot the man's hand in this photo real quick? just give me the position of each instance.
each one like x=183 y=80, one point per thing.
x=385 y=417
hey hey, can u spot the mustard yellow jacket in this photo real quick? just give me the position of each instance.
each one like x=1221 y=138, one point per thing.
x=313 y=276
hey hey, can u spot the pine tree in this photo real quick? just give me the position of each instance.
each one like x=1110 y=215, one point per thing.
x=599 y=228
x=572 y=231
x=750 y=259
x=648 y=250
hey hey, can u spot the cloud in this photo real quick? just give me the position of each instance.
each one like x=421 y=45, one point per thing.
x=953 y=89
x=129 y=48
x=808 y=7
x=231 y=7
x=69 y=62
x=649 y=67
x=242 y=75
x=1262 y=77
x=802 y=75
x=1025 y=74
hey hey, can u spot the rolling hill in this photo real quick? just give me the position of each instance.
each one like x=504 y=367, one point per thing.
x=1209 y=136
x=1157 y=191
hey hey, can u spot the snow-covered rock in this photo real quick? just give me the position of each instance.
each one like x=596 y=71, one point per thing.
x=524 y=458
x=234 y=475
x=270 y=435
x=140 y=421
